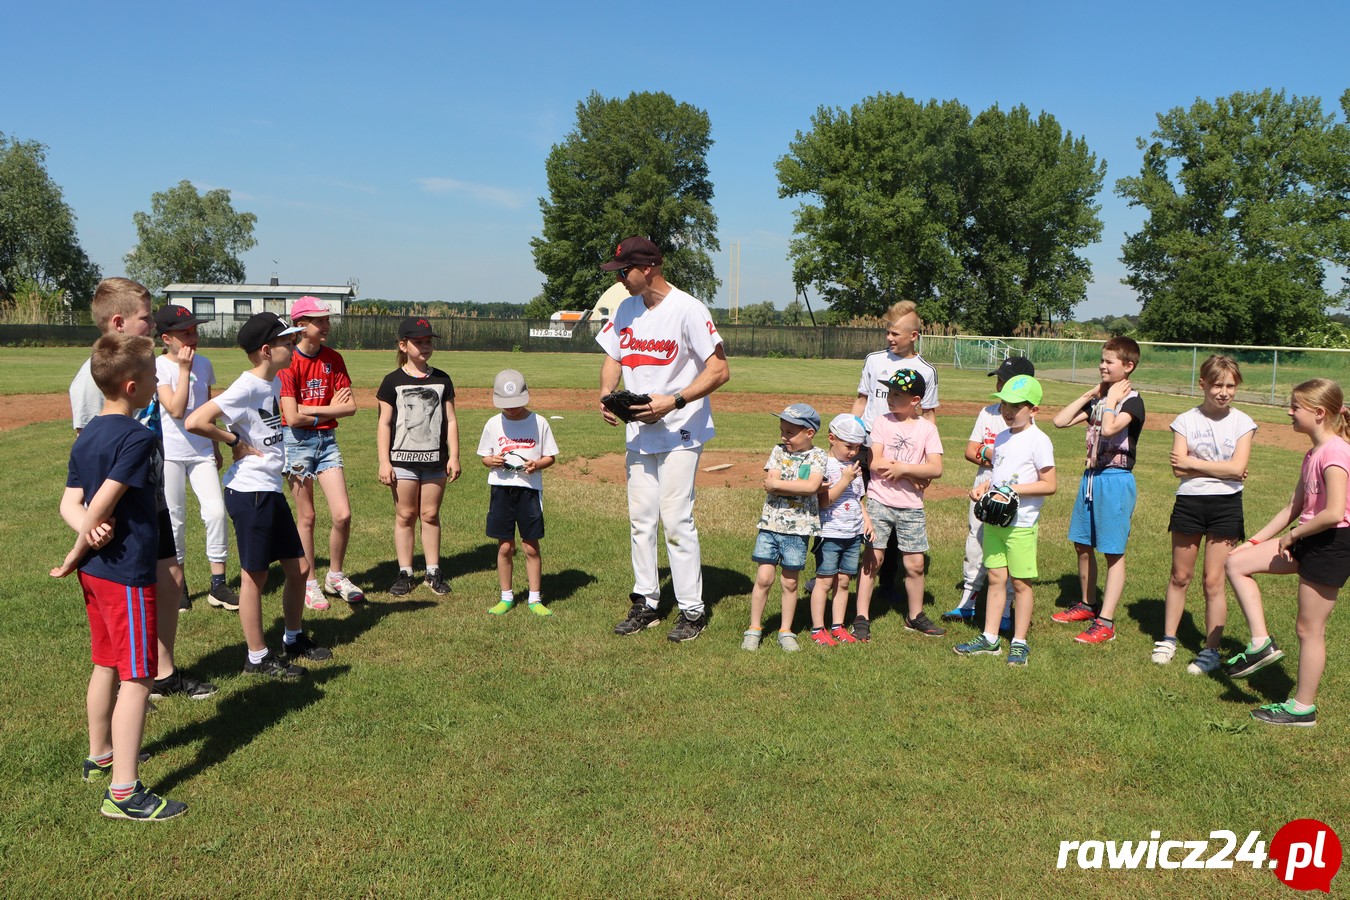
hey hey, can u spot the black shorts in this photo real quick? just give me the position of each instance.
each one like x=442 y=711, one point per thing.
x=166 y=548
x=264 y=528
x=1324 y=558
x=1215 y=515
x=510 y=506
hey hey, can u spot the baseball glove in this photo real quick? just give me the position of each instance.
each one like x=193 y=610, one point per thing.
x=621 y=403
x=997 y=506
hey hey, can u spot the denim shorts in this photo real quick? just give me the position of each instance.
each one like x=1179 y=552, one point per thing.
x=786 y=550
x=838 y=554
x=310 y=451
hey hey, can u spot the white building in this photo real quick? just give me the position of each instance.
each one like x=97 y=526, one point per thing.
x=227 y=306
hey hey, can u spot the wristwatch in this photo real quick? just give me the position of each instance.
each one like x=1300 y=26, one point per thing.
x=679 y=400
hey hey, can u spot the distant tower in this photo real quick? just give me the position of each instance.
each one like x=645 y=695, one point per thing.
x=734 y=284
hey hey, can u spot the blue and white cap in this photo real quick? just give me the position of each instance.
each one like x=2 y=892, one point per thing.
x=801 y=414
x=848 y=428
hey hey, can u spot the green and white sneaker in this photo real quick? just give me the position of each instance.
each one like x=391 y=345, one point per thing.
x=141 y=806
x=980 y=645
x=1018 y=653
x=1250 y=661
x=1283 y=714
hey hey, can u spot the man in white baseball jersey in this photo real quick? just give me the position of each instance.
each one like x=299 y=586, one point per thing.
x=663 y=343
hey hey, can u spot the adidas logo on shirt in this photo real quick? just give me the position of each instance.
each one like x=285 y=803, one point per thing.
x=271 y=419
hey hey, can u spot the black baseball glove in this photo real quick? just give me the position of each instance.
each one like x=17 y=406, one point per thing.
x=621 y=403
x=997 y=506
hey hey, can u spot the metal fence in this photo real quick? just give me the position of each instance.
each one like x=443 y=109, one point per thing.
x=1268 y=372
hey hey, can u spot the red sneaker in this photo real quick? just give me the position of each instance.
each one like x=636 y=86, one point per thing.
x=1097 y=633
x=841 y=635
x=823 y=638
x=1079 y=612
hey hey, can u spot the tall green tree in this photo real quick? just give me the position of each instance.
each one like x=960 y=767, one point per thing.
x=976 y=220
x=38 y=243
x=1248 y=202
x=190 y=237
x=636 y=165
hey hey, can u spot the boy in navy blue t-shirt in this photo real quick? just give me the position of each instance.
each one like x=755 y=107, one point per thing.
x=110 y=501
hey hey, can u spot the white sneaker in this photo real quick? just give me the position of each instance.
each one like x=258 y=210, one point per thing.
x=314 y=598
x=788 y=641
x=750 y=640
x=1163 y=651
x=342 y=587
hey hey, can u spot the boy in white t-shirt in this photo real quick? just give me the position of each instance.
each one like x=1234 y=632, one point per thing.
x=844 y=524
x=185 y=378
x=263 y=525
x=1024 y=468
x=516 y=446
x=989 y=425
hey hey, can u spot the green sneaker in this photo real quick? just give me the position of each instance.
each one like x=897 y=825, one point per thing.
x=539 y=609
x=502 y=608
x=980 y=645
x=1017 y=654
x=1250 y=661
x=141 y=806
x=1283 y=714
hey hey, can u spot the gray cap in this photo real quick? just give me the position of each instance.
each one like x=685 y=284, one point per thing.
x=509 y=390
x=801 y=414
x=848 y=428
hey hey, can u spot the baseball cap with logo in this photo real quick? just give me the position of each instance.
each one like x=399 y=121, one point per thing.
x=509 y=390
x=1022 y=389
x=633 y=251
x=906 y=381
x=311 y=307
x=848 y=428
x=174 y=318
x=1013 y=366
x=415 y=327
x=801 y=414
x=263 y=328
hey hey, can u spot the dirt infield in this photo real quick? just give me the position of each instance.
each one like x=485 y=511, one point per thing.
x=27 y=409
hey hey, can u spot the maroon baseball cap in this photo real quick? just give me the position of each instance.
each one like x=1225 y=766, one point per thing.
x=633 y=251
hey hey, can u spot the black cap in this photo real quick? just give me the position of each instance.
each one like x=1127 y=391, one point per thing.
x=1014 y=366
x=906 y=381
x=633 y=251
x=174 y=318
x=263 y=328
x=415 y=327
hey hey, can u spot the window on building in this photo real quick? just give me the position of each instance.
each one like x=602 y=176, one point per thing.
x=204 y=307
x=275 y=305
x=242 y=310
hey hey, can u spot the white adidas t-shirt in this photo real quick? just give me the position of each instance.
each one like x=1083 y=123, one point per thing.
x=252 y=407
x=662 y=350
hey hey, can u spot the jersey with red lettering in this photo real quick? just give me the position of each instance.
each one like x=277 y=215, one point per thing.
x=662 y=350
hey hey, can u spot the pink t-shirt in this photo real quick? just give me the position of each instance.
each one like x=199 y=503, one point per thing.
x=1333 y=452
x=910 y=441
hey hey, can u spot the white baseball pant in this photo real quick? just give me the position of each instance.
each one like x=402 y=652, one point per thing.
x=661 y=487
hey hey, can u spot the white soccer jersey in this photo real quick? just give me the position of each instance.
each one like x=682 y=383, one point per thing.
x=882 y=365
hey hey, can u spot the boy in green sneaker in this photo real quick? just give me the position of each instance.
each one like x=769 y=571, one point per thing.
x=516 y=446
x=112 y=487
x=1023 y=471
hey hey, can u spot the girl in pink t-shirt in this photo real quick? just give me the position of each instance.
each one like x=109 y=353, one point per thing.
x=1317 y=549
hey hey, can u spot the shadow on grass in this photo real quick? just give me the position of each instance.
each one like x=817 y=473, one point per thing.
x=559 y=586
x=328 y=631
x=1270 y=685
x=718 y=584
x=480 y=558
x=240 y=718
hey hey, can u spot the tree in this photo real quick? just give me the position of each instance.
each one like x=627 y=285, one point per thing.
x=38 y=244
x=795 y=313
x=191 y=238
x=631 y=166
x=977 y=221
x=759 y=314
x=1248 y=202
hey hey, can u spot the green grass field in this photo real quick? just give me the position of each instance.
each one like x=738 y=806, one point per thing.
x=445 y=752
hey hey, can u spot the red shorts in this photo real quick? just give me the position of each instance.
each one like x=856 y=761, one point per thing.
x=122 y=627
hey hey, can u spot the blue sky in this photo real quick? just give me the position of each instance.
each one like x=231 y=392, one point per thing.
x=404 y=144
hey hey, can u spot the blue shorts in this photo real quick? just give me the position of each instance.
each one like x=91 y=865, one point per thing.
x=838 y=554
x=264 y=528
x=310 y=451
x=512 y=506
x=1104 y=521
x=786 y=550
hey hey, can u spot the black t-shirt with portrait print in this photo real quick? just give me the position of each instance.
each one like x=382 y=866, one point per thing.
x=417 y=432
x=1117 y=451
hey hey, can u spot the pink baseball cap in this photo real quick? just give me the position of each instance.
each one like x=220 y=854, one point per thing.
x=311 y=307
